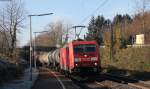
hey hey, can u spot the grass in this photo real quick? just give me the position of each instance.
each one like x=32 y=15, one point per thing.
x=127 y=61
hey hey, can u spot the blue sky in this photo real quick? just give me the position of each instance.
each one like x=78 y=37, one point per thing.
x=71 y=11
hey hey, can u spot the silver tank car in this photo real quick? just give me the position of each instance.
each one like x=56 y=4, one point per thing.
x=50 y=57
x=53 y=57
x=43 y=58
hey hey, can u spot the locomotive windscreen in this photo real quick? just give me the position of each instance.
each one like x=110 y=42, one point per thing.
x=84 y=48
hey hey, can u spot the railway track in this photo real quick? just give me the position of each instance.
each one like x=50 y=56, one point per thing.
x=129 y=81
x=107 y=84
x=108 y=81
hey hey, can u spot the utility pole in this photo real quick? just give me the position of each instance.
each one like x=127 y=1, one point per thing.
x=143 y=12
x=112 y=42
x=75 y=31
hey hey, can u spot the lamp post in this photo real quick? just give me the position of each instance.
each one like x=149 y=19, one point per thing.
x=35 y=46
x=31 y=49
x=5 y=0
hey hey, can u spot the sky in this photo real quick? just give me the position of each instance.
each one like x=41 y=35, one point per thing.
x=76 y=12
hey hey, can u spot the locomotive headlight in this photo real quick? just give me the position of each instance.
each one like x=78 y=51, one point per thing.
x=95 y=64
x=93 y=58
x=76 y=64
x=77 y=59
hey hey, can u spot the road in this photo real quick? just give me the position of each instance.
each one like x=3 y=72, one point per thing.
x=53 y=80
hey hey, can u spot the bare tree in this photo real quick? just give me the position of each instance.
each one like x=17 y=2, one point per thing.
x=141 y=5
x=142 y=8
x=56 y=35
x=4 y=35
x=12 y=22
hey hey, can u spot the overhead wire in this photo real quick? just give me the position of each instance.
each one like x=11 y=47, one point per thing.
x=101 y=5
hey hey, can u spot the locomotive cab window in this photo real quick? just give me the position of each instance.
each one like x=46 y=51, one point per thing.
x=84 y=48
x=78 y=49
x=90 y=48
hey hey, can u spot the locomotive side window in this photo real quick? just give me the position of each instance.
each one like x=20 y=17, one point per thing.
x=67 y=52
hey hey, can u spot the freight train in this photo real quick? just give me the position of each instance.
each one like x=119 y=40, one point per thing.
x=76 y=57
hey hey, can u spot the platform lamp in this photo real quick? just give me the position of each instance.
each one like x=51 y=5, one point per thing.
x=31 y=48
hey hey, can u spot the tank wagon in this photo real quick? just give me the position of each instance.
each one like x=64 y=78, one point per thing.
x=54 y=58
x=77 y=57
x=43 y=58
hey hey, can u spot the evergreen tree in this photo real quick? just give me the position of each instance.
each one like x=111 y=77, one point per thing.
x=91 y=30
x=99 y=23
x=96 y=29
x=120 y=23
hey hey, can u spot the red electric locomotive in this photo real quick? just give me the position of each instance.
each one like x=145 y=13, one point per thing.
x=80 y=57
x=77 y=57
